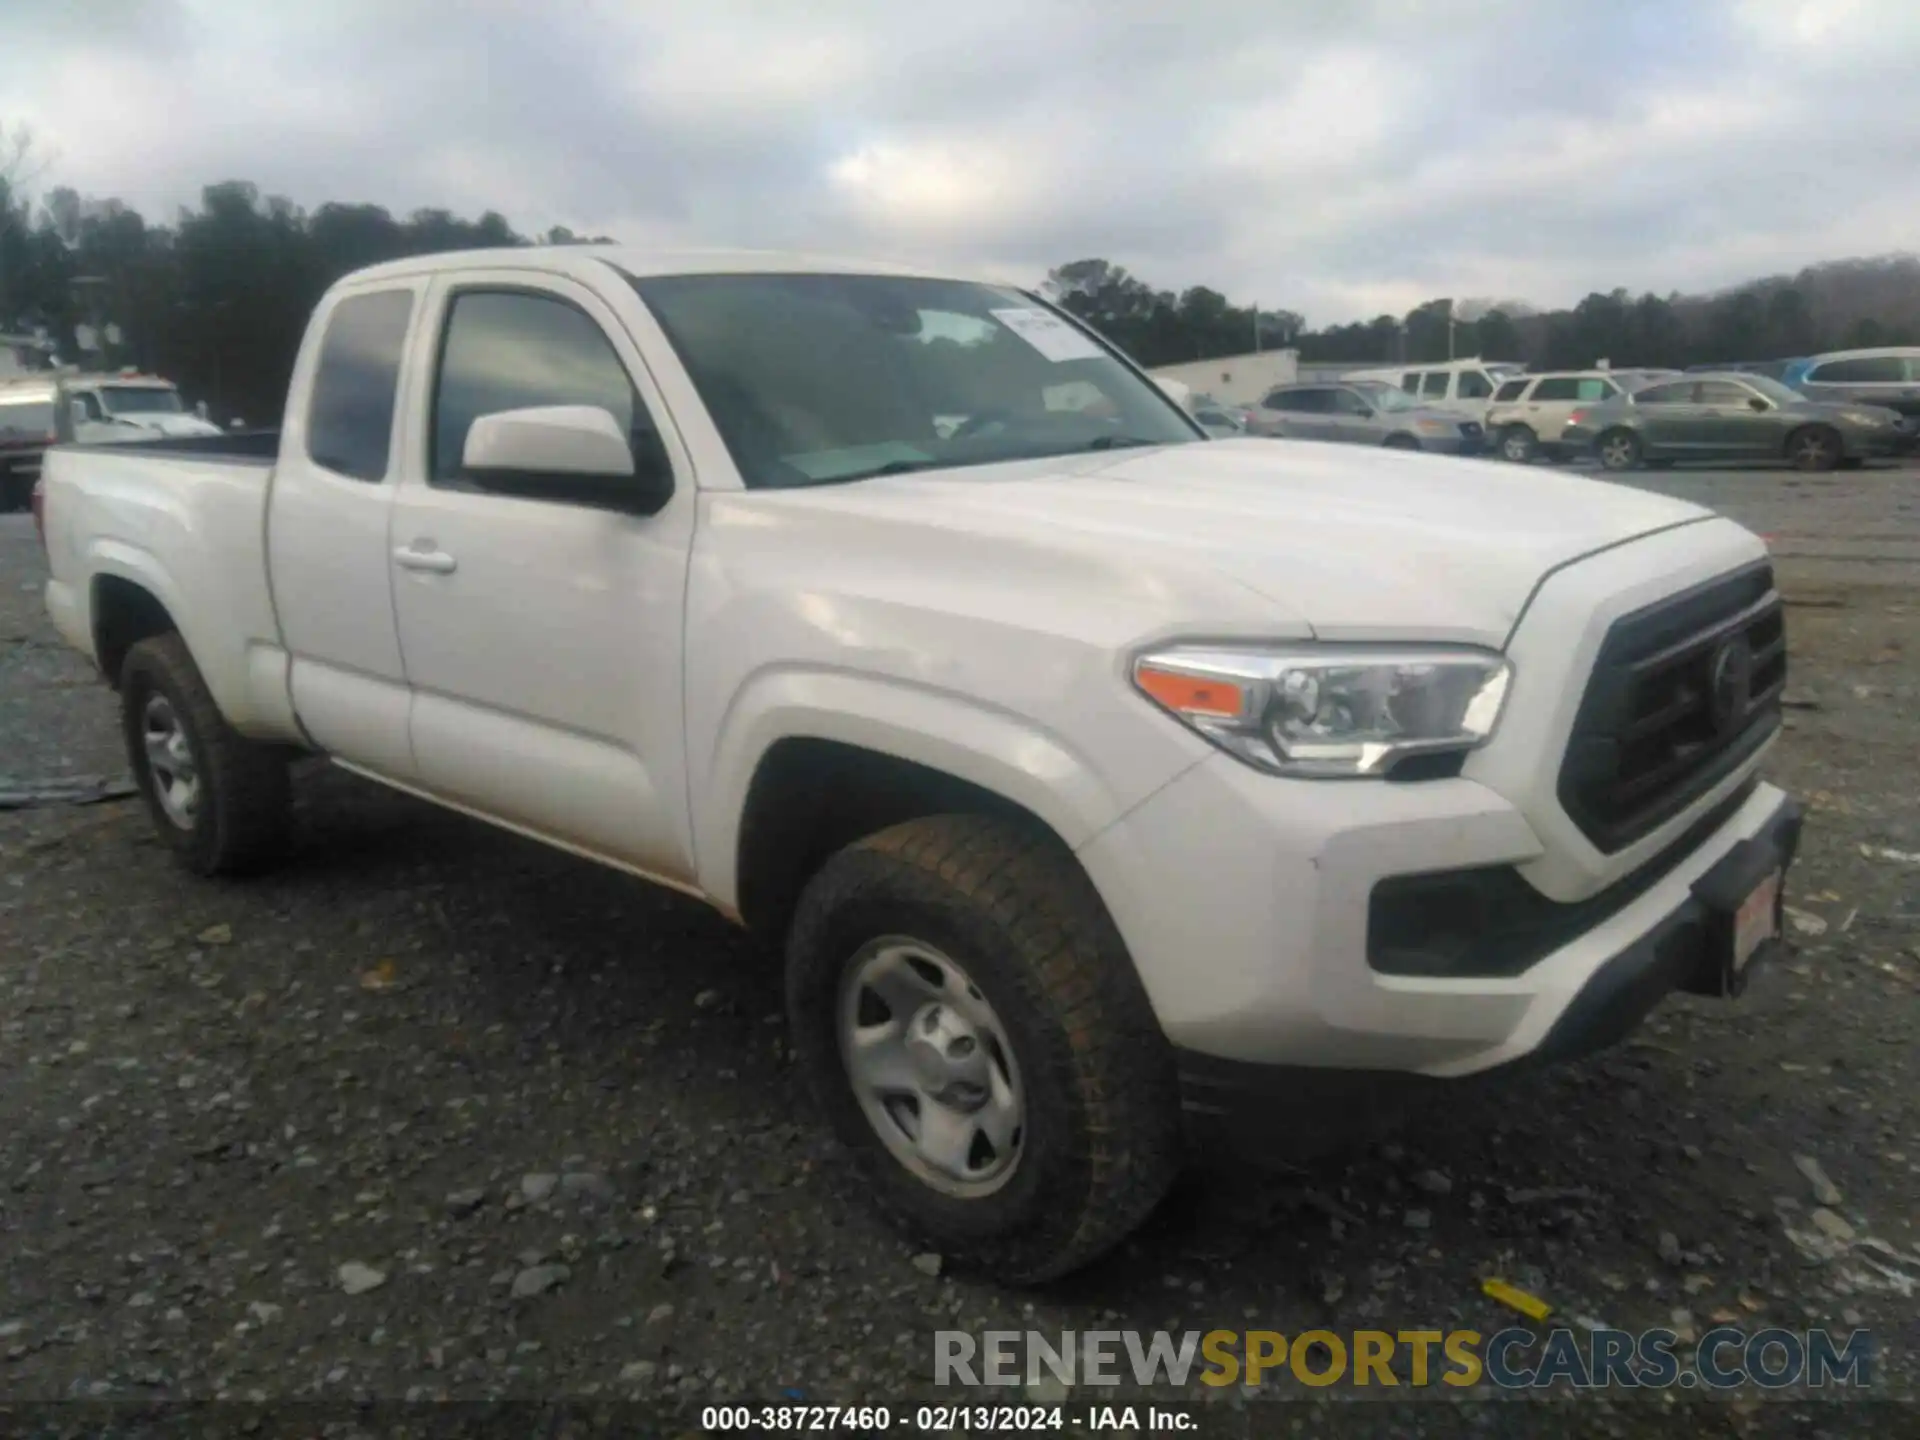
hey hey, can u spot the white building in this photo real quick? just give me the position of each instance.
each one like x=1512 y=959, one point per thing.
x=1235 y=379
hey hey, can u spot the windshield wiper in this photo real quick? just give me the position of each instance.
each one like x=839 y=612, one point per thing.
x=892 y=467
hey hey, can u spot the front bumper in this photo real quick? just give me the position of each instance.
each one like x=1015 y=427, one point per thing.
x=1268 y=1108
x=1254 y=945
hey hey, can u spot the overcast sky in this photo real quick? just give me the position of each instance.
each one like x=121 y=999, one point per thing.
x=1338 y=157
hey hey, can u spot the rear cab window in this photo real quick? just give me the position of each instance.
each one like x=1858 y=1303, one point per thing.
x=1474 y=385
x=351 y=404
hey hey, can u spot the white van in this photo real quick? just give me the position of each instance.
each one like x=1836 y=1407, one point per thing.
x=1464 y=387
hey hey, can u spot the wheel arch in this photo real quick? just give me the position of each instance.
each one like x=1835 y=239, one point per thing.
x=127 y=601
x=814 y=761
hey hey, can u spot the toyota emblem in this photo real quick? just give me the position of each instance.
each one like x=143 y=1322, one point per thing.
x=1730 y=683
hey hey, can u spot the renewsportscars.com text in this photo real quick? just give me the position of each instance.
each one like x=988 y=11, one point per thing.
x=1725 y=1358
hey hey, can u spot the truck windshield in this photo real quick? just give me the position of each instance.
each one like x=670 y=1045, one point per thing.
x=814 y=379
x=139 y=400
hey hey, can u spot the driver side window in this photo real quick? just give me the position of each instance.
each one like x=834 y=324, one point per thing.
x=90 y=405
x=510 y=350
x=1350 y=402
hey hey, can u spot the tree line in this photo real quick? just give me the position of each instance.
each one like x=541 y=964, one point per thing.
x=1839 y=305
x=218 y=299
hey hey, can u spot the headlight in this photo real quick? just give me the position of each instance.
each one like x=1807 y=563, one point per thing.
x=1326 y=712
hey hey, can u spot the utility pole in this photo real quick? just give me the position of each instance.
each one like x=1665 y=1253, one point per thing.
x=1449 y=328
x=1256 y=329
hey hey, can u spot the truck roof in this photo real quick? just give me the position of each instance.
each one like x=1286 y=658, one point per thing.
x=637 y=262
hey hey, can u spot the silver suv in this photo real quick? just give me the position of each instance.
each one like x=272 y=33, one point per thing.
x=1364 y=412
x=1529 y=412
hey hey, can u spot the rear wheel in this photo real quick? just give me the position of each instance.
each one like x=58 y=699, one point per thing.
x=1402 y=442
x=222 y=803
x=1618 y=450
x=1518 y=444
x=1814 y=447
x=968 y=1018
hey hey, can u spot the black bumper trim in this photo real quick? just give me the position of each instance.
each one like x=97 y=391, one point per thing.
x=1259 y=1109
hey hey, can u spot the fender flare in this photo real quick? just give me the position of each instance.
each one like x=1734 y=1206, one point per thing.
x=1007 y=754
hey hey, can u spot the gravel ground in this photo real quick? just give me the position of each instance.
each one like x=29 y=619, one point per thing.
x=434 y=1112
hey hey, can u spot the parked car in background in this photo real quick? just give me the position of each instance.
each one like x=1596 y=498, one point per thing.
x=1772 y=369
x=1365 y=412
x=1528 y=414
x=1461 y=387
x=1220 y=420
x=28 y=407
x=1889 y=376
x=1732 y=417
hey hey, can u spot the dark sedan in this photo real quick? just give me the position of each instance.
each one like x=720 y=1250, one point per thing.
x=1732 y=417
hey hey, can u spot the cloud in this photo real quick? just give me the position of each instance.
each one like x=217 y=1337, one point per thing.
x=1337 y=159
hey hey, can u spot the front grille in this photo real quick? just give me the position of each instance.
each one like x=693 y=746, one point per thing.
x=1683 y=692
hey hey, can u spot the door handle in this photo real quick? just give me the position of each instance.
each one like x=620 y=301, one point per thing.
x=436 y=562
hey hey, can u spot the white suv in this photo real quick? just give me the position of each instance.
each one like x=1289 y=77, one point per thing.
x=1460 y=387
x=1529 y=412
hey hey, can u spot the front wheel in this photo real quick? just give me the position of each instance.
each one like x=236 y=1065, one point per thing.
x=1402 y=442
x=221 y=802
x=966 y=1015
x=1813 y=447
x=1518 y=444
x=1619 y=450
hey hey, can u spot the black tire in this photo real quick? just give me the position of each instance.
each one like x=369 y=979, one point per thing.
x=1101 y=1142
x=16 y=491
x=1618 y=450
x=1519 y=444
x=1814 y=448
x=1401 y=442
x=242 y=819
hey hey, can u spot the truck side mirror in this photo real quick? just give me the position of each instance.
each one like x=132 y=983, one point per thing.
x=574 y=453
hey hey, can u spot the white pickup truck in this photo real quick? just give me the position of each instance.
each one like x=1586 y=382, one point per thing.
x=1106 y=785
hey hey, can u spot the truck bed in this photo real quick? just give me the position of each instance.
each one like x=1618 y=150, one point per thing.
x=183 y=519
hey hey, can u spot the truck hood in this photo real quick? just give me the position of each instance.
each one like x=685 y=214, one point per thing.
x=1351 y=544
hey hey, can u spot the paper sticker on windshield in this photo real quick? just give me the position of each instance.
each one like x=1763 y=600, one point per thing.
x=1049 y=334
